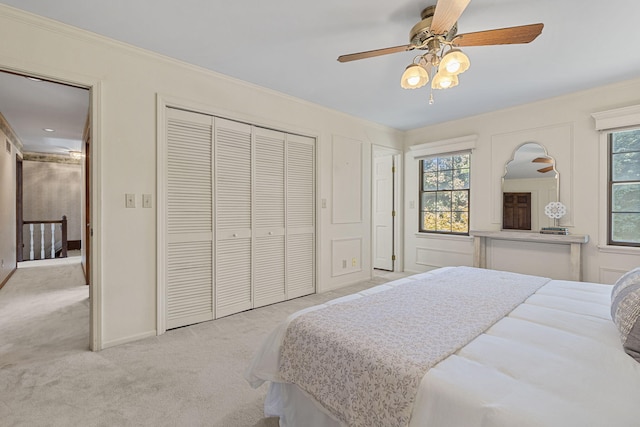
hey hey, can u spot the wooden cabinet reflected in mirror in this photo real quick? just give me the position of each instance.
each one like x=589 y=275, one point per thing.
x=530 y=182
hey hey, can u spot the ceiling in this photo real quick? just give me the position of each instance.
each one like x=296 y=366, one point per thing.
x=31 y=106
x=524 y=165
x=291 y=46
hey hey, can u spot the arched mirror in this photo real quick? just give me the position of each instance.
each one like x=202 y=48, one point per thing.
x=530 y=182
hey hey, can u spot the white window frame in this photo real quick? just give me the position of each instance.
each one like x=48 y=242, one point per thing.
x=442 y=148
x=421 y=192
x=607 y=122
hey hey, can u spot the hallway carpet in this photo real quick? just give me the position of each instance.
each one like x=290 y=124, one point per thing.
x=191 y=376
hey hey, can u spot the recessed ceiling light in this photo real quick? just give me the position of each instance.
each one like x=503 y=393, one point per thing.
x=48 y=130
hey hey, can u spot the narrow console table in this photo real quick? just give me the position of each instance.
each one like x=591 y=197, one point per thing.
x=576 y=241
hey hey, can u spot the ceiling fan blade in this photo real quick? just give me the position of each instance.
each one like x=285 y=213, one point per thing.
x=510 y=35
x=446 y=14
x=547 y=169
x=542 y=160
x=372 y=53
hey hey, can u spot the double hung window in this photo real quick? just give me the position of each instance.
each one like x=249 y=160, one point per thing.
x=624 y=188
x=444 y=193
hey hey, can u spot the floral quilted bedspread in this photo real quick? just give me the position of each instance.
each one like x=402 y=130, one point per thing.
x=364 y=359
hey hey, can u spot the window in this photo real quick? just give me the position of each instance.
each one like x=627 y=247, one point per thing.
x=444 y=193
x=624 y=188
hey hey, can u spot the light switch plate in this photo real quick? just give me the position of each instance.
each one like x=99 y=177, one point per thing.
x=130 y=200
x=146 y=200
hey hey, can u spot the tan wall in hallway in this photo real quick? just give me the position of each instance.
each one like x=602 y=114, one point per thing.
x=7 y=208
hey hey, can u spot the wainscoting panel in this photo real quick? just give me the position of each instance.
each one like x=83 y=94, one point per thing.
x=347 y=181
x=610 y=275
x=436 y=257
x=541 y=259
x=346 y=256
x=557 y=140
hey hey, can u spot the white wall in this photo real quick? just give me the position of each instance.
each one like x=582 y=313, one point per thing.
x=562 y=125
x=7 y=208
x=126 y=82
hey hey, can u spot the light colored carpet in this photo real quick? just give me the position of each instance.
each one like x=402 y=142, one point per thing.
x=190 y=376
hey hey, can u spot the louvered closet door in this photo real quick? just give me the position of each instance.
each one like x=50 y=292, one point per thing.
x=300 y=216
x=233 y=217
x=189 y=261
x=269 y=217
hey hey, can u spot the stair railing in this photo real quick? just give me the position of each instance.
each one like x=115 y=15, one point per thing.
x=49 y=226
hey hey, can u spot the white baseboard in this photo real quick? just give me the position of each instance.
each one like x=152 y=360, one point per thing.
x=50 y=262
x=125 y=340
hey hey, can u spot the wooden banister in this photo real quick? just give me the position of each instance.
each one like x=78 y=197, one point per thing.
x=63 y=228
x=44 y=221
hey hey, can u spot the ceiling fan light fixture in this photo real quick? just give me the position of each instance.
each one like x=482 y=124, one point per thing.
x=414 y=76
x=437 y=34
x=454 y=62
x=444 y=81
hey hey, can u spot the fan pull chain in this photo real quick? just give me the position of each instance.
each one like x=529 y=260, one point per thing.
x=431 y=101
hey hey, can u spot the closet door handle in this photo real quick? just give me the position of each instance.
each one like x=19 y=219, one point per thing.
x=235 y=234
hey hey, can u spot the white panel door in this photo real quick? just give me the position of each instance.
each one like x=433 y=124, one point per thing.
x=383 y=213
x=269 y=217
x=189 y=229
x=300 y=183
x=233 y=201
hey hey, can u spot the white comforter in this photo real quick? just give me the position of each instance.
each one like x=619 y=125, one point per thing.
x=556 y=360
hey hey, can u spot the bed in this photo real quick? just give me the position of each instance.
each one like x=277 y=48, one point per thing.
x=459 y=346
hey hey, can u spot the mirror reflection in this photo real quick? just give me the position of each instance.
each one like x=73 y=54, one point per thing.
x=530 y=182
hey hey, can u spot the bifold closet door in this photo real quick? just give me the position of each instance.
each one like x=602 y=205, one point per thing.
x=269 y=217
x=240 y=217
x=233 y=157
x=300 y=216
x=189 y=225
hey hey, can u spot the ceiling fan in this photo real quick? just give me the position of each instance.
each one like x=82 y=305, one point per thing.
x=437 y=33
x=544 y=160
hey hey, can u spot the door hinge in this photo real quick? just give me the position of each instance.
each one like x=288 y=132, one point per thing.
x=393 y=213
x=393 y=257
x=393 y=169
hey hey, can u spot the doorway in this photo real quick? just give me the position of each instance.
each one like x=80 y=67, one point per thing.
x=385 y=213
x=51 y=125
x=516 y=211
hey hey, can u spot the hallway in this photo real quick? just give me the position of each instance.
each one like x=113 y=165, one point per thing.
x=34 y=304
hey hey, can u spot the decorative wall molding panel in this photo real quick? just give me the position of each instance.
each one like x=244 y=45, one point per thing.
x=347 y=181
x=346 y=256
x=558 y=141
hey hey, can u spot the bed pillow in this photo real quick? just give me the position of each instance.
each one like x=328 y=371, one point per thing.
x=625 y=311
